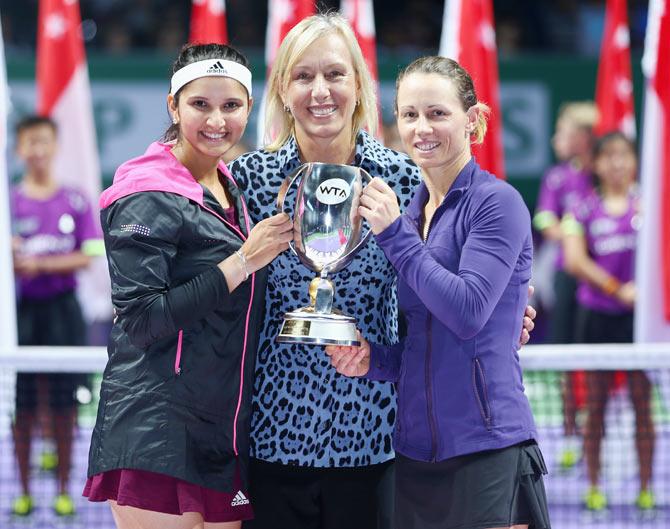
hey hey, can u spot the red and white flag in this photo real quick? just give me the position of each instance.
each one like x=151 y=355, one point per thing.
x=208 y=22
x=282 y=16
x=360 y=14
x=614 y=88
x=652 y=313
x=7 y=299
x=64 y=94
x=468 y=37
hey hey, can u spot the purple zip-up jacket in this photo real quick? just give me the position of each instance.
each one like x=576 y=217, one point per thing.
x=463 y=293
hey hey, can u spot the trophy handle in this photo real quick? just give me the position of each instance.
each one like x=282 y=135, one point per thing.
x=333 y=267
x=283 y=190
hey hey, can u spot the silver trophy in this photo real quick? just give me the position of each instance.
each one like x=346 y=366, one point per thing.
x=327 y=236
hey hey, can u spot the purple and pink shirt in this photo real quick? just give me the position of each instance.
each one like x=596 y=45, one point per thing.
x=58 y=225
x=611 y=242
x=563 y=186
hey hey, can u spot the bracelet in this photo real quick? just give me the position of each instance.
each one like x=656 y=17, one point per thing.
x=611 y=286
x=243 y=260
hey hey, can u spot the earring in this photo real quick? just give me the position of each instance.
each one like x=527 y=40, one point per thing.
x=175 y=120
x=287 y=109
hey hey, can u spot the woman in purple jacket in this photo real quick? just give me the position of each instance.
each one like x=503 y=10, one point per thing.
x=464 y=438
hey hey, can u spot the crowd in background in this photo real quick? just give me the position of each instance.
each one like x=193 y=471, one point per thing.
x=524 y=26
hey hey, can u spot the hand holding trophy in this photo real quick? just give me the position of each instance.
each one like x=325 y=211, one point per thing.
x=327 y=235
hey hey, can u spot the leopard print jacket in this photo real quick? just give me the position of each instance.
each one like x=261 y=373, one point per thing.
x=304 y=413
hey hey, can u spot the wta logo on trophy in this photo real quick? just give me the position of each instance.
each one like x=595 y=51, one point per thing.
x=333 y=191
x=327 y=235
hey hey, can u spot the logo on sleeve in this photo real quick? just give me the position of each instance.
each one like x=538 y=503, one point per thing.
x=136 y=228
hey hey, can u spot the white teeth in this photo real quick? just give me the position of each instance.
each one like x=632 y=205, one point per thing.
x=322 y=111
x=212 y=136
x=427 y=146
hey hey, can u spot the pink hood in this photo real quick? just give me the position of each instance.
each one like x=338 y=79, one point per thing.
x=156 y=170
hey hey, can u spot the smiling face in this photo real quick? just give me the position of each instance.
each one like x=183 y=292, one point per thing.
x=433 y=126
x=212 y=113
x=322 y=91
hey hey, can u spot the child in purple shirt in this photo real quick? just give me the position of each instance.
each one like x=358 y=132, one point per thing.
x=54 y=236
x=599 y=243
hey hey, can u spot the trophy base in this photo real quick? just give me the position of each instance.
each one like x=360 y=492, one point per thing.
x=310 y=327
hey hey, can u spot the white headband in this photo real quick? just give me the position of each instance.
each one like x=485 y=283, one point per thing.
x=211 y=68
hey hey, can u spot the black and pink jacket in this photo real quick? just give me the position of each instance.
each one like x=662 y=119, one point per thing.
x=176 y=392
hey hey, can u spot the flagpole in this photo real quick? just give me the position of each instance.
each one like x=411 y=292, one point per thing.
x=650 y=324
x=8 y=319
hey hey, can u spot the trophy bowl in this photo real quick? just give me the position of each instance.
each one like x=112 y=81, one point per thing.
x=327 y=234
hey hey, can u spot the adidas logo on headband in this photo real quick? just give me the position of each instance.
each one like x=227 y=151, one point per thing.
x=217 y=68
x=211 y=67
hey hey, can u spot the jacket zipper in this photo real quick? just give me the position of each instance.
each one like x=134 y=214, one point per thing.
x=177 y=364
x=177 y=359
x=429 y=364
x=429 y=391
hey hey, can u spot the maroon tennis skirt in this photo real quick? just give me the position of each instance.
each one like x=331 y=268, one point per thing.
x=157 y=492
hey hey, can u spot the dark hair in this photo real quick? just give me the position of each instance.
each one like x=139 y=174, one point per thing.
x=33 y=120
x=465 y=88
x=607 y=138
x=191 y=53
x=599 y=145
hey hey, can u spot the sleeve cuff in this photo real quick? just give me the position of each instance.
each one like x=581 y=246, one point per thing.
x=545 y=219
x=218 y=282
x=93 y=247
x=571 y=226
x=390 y=231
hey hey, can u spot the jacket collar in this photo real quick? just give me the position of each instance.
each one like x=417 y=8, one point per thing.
x=457 y=189
x=156 y=170
x=288 y=155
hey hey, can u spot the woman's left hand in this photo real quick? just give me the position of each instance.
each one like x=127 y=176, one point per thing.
x=379 y=205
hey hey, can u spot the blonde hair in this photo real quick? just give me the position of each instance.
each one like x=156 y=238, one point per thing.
x=583 y=114
x=279 y=124
x=465 y=88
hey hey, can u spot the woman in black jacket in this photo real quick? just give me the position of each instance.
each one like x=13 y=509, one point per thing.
x=170 y=443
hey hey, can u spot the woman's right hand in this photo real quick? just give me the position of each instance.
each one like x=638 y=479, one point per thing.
x=350 y=360
x=267 y=240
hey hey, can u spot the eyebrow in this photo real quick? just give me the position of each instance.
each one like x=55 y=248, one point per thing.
x=330 y=65
x=229 y=98
x=429 y=107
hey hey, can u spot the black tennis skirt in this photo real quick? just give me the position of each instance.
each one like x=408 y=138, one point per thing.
x=494 y=488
